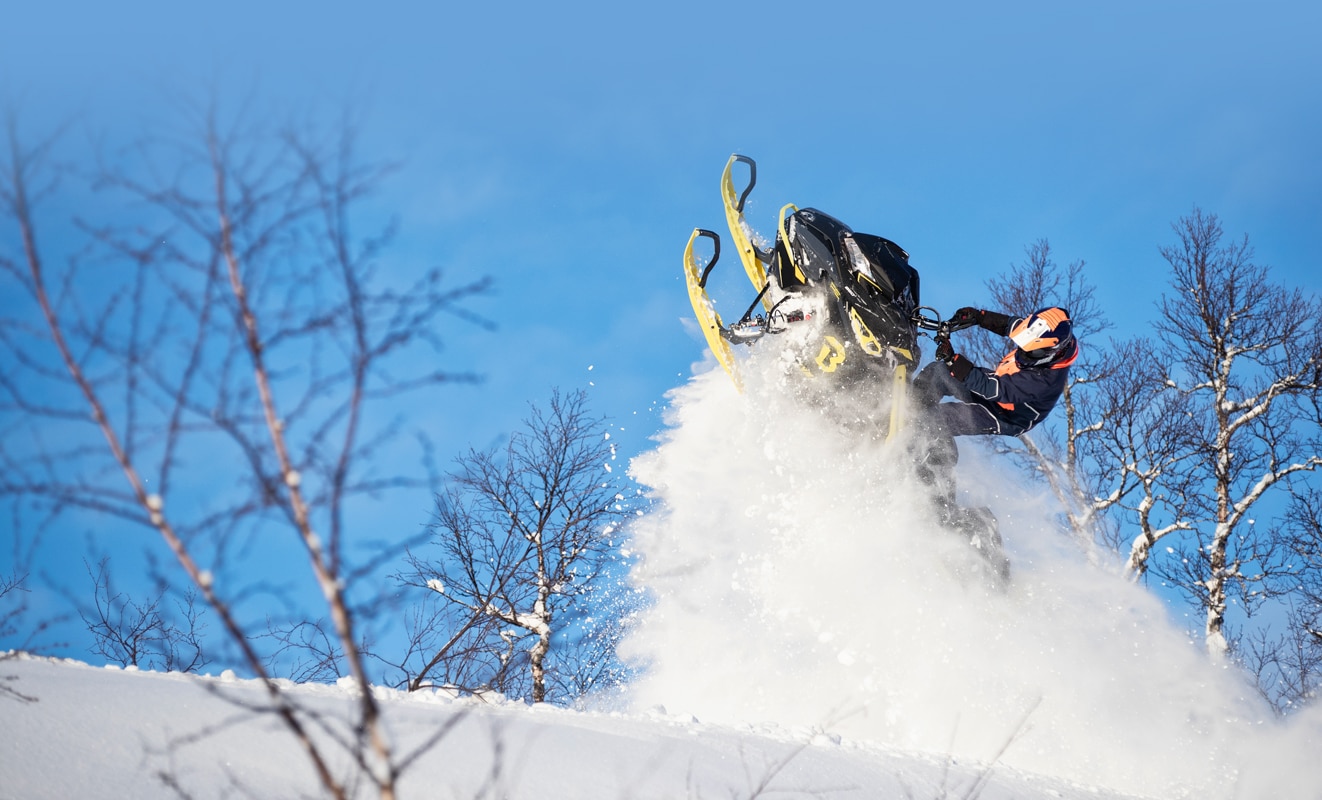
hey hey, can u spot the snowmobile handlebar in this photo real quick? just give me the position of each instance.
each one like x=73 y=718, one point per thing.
x=942 y=328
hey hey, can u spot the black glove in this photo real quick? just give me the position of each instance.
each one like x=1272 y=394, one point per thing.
x=967 y=317
x=945 y=353
x=959 y=366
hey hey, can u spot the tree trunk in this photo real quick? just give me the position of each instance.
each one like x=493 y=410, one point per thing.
x=1214 y=634
x=537 y=657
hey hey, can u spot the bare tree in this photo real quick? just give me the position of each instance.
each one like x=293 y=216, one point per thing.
x=17 y=628
x=1298 y=656
x=521 y=535
x=1138 y=449
x=144 y=634
x=1287 y=661
x=222 y=333
x=13 y=606
x=1246 y=354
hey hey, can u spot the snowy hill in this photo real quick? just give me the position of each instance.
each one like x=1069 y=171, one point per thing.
x=813 y=633
x=90 y=732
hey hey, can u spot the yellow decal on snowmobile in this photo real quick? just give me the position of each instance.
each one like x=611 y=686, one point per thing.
x=708 y=319
x=739 y=230
x=832 y=354
x=867 y=279
x=866 y=339
x=899 y=389
x=784 y=237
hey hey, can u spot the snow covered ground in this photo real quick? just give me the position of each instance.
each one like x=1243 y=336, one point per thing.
x=89 y=733
x=814 y=634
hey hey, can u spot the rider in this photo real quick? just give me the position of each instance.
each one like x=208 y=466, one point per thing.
x=1007 y=401
x=1018 y=393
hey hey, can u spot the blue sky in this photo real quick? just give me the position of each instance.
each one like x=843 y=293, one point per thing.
x=568 y=149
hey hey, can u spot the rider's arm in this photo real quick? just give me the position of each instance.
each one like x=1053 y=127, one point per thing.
x=996 y=322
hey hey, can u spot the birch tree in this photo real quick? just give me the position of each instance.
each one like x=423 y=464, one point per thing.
x=141 y=633
x=1142 y=445
x=200 y=365
x=1245 y=355
x=521 y=536
x=1288 y=663
x=1297 y=656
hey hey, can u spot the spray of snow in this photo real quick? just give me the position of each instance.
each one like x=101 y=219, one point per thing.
x=799 y=578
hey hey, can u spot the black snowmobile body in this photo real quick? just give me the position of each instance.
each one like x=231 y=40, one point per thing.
x=870 y=291
x=853 y=297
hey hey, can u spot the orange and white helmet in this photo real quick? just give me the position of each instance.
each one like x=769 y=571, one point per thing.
x=1043 y=337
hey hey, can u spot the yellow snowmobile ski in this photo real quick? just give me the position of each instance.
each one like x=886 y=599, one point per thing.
x=739 y=228
x=708 y=318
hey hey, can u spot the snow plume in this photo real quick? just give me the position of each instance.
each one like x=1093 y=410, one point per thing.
x=800 y=578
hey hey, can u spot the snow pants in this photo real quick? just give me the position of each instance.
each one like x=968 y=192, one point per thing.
x=964 y=417
x=942 y=422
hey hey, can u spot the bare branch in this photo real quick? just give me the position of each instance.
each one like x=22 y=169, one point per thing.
x=521 y=535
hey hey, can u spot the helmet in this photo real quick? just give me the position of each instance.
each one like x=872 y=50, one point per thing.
x=1042 y=337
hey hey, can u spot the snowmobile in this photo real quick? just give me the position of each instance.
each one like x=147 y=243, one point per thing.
x=856 y=297
x=859 y=285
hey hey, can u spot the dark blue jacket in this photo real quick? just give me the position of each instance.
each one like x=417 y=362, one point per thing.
x=1020 y=396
